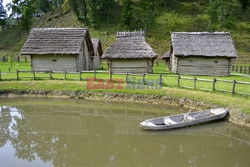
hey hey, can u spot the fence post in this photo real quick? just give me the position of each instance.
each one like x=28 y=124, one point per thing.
x=249 y=70
x=127 y=77
x=110 y=75
x=17 y=75
x=179 y=80
x=65 y=75
x=143 y=78
x=95 y=75
x=34 y=74
x=214 y=81
x=18 y=59
x=50 y=74
x=25 y=59
x=0 y=75
x=195 y=79
x=233 y=88
x=80 y=75
x=161 y=83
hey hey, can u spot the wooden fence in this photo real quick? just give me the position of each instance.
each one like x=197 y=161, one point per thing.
x=241 y=69
x=15 y=59
x=213 y=87
x=126 y=75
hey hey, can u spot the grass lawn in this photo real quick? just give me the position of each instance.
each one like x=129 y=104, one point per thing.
x=169 y=79
x=213 y=98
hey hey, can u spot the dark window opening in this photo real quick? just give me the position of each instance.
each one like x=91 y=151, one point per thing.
x=54 y=60
x=216 y=61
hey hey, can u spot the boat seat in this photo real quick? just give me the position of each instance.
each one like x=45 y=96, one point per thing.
x=187 y=118
x=168 y=121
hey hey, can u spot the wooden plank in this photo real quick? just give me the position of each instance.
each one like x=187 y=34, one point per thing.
x=204 y=80
x=243 y=83
x=221 y=80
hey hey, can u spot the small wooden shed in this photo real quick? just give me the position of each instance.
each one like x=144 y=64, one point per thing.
x=98 y=52
x=130 y=54
x=59 y=49
x=201 y=53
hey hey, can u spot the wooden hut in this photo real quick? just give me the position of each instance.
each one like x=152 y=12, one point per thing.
x=201 y=53
x=98 y=52
x=130 y=53
x=166 y=58
x=59 y=49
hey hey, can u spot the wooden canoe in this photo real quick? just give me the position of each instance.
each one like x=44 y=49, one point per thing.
x=183 y=120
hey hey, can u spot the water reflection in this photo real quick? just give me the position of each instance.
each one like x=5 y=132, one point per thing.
x=103 y=136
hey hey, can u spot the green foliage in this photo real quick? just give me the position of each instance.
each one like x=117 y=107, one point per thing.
x=244 y=5
x=3 y=15
x=220 y=10
x=27 y=18
x=127 y=12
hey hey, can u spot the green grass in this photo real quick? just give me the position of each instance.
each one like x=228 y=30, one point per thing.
x=169 y=79
x=212 y=98
x=184 y=16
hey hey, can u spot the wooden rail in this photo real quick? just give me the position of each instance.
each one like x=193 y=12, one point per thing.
x=241 y=69
x=214 y=81
x=50 y=76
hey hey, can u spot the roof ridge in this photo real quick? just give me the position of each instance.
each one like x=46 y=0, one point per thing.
x=203 y=33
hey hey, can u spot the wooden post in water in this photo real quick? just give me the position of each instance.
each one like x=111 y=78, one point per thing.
x=50 y=74
x=214 y=81
x=233 y=88
x=161 y=82
x=80 y=75
x=195 y=79
x=34 y=74
x=17 y=75
x=179 y=80
x=65 y=75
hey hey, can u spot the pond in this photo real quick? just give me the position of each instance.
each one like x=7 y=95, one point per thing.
x=66 y=132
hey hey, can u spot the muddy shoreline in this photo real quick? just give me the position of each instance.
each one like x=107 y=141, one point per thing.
x=236 y=116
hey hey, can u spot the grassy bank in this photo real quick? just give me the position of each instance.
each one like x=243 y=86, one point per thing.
x=213 y=98
x=169 y=79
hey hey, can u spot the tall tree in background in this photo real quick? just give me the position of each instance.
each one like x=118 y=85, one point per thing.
x=146 y=11
x=3 y=15
x=219 y=10
x=127 y=12
x=244 y=5
x=43 y=5
x=23 y=9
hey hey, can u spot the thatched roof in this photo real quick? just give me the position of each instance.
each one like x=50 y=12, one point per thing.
x=203 y=44
x=130 y=45
x=43 y=41
x=166 y=55
x=97 y=45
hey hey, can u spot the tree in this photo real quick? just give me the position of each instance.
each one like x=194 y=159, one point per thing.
x=244 y=5
x=3 y=15
x=219 y=10
x=23 y=9
x=27 y=18
x=127 y=12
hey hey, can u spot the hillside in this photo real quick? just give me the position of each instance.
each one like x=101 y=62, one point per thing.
x=185 y=16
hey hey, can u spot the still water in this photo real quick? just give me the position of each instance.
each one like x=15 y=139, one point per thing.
x=64 y=132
